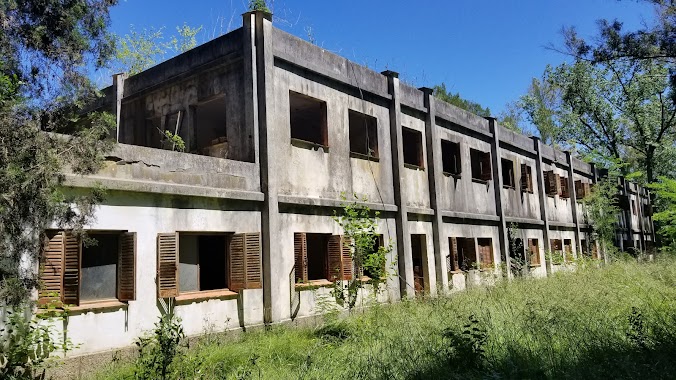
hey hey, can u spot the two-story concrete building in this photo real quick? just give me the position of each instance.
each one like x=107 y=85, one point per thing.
x=238 y=230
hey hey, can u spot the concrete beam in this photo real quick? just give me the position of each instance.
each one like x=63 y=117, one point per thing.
x=405 y=258
x=434 y=176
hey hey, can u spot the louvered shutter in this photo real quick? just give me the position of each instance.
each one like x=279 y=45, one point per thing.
x=534 y=251
x=126 y=267
x=452 y=265
x=51 y=267
x=579 y=190
x=254 y=262
x=167 y=265
x=524 y=177
x=550 y=182
x=300 y=256
x=335 y=257
x=72 y=252
x=587 y=189
x=565 y=193
x=346 y=254
x=486 y=174
x=237 y=263
x=485 y=255
x=557 y=184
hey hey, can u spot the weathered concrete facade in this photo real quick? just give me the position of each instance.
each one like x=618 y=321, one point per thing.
x=273 y=133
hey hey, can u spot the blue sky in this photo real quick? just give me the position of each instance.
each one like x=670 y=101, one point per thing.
x=486 y=50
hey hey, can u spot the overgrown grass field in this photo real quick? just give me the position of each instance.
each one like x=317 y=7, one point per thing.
x=617 y=321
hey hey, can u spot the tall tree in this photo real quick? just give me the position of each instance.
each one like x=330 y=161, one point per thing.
x=539 y=105
x=46 y=50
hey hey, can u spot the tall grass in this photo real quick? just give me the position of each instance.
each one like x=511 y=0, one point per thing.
x=618 y=321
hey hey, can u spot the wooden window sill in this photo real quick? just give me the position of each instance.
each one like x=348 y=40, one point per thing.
x=84 y=307
x=414 y=167
x=298 y=143
x=527 y=191
x=363 y=156
x=508 y=187
x=454 y=175
x=481 y=181
x=314 y=284
x=191 y=297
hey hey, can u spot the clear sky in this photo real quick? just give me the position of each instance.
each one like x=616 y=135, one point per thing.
x=486 y=50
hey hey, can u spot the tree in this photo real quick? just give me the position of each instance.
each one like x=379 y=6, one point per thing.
x=258 y=5
x=665 y=189
x=46 y=51
x=441 y=93
x=539 y=105
x=138 y=51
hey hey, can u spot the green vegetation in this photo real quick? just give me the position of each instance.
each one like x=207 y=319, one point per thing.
x=617 y=321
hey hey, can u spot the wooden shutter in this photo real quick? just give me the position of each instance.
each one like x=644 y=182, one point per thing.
x=587 y=189
x=167 y=265
x=335 y=258
x=51 y=268
x=486 y=253
x=564 y=189
x=524 y=177
x=237 y=263
x=254 y=262
x=348 y=268
x=300 y=256
x=126 y=268
x=550 y=183
x=579 y=190
x=72 y=251
x=486 y=174
x=452 y=265
x=534 y=251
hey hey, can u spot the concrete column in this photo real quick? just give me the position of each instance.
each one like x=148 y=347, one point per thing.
x=639 y=213
x=259 y=84
x=627 y=217
x=537 y=144
x=496 y=157
x=404 y=257
x=118 y=90
x=573 y=202
x=434 y=173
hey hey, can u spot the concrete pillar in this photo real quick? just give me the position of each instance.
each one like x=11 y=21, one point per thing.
x=496 y=157
x=639 y=213
x=434 y=167
x=573 y=202
x=259 y=80
x=627 y=217
x=118 y=90
x=537 y=144
x=404 y=257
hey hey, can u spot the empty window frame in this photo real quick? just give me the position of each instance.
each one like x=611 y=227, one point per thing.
x=103 y=269
x=485 y=246
x=568 y=249
x=565 y=190
x=209 y=124
x=194 y=262
x=508 y=173
x=450 y=157
x=552 y=183
x=481 y=165
x=172 y=123
x=526 y=178
x=413 y=149
x=378 y=242
x=363 y=135
x=321 y=257
x=533 y=252
x=556 y=246
x=419 y=254
x=308 y=119
x=462 y=255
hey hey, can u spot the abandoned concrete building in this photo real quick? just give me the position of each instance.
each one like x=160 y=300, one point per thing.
x=238 y=231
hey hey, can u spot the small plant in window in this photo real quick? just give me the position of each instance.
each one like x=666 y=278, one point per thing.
x=359 y=225
x=176 y=141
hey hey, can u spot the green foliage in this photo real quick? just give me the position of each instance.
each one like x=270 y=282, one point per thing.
x=159 y=349
x=28 y=344
x=539 y=105
x=665 y=191
x=138 y=51
x=47 y=49
x=601 y=210
x=176 y=141
x=581 y=324
x=258 y=5
x=455 y=99
x=359 y=227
